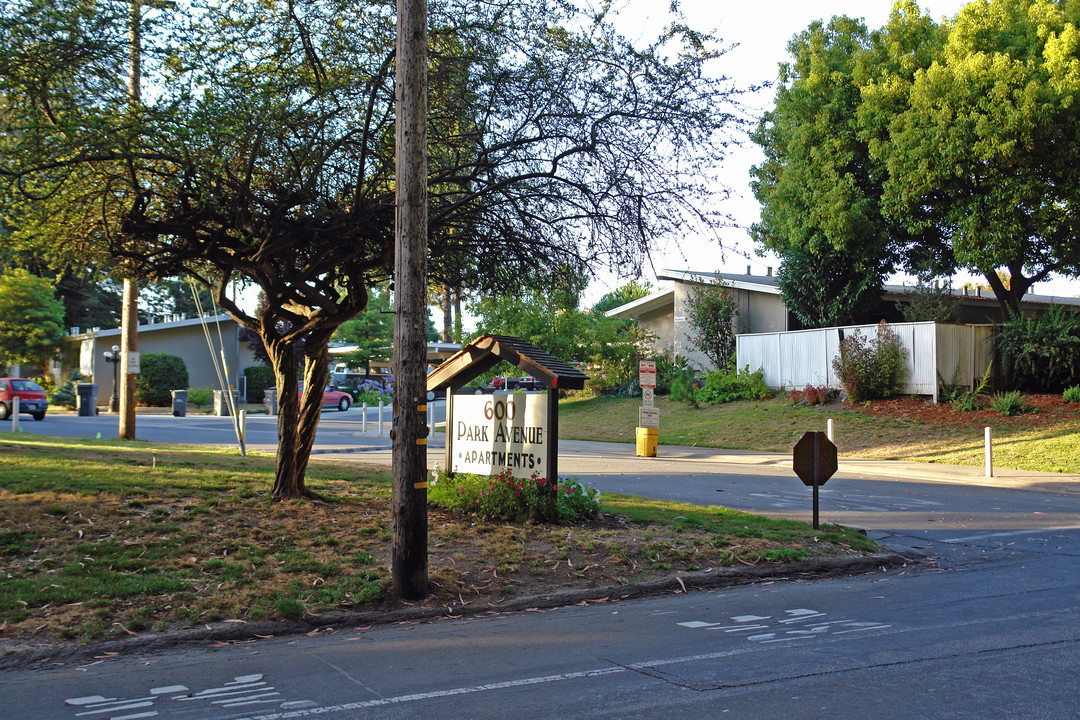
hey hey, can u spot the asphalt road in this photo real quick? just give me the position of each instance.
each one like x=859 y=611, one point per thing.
x=983 y=623
x=984 y=633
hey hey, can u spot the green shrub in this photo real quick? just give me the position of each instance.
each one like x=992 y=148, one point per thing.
x=514 y=499
x=668 y=367
x=969 y=401
x=1072 y=394
x=871 y=369
x=65 y=395
x=257 y=379
x=613 y=360
x=159 y=374
x=681 y=383
x=744 y=385
x=1041 y=354
x=1010 y=403
x=371 y=392
x=200 y=396
x=966 y=400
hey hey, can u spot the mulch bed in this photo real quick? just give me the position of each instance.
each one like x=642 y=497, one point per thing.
x=1043 y=410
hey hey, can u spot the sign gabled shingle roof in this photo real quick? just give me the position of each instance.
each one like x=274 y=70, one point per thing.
x=487 y=351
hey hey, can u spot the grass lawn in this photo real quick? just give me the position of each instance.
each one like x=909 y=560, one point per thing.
x=102 y=539
x=1028 y=442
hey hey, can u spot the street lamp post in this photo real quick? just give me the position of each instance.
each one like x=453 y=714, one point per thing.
x=113 y=356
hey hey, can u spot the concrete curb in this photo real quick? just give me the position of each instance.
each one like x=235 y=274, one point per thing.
x=224 y=632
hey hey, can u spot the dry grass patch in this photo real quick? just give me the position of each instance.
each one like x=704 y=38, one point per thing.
x=96 y=542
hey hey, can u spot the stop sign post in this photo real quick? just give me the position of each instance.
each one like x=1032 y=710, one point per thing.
x=814 y=461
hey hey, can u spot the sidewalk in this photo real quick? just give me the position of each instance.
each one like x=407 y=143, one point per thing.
x=576 y=455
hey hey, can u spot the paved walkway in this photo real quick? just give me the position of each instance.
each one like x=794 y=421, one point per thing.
x=579 y=456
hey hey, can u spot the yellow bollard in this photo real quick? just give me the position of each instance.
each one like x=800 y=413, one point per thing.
x=646 y=442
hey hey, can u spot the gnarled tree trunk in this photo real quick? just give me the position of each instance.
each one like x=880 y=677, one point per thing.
x=298 y=417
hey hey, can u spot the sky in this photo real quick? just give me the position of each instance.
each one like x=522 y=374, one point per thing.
x=761 y=29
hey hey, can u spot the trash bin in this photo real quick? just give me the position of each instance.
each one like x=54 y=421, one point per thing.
x=646 y=442
x=270 y=400
x=221 y=403
x=86 y=399
x=179 y=403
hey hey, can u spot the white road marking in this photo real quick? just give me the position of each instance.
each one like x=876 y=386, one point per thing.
x=111 y=707
x=1012 y=533
x=88 y=700
x=810 y=623
x=241 y=691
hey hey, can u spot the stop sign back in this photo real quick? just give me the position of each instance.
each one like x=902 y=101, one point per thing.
x=814 y=458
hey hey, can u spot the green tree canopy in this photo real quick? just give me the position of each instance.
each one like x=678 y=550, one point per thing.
x=175 y=296
x=818 y=187
x=930 y=147
x=984 y=149
x=372 y=331
x=548 y=318
x=623 y=294
x=31 y=320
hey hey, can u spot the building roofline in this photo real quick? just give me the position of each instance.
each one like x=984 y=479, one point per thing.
x=149 y=327
x=985 y=296
x=758 y=283
x=770 y=284
x=634 y=308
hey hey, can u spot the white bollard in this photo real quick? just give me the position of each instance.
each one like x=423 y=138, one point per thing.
x=828 y=430
x=15 y=413
x=363 y=417
x=243 y=427
x=989 y=453
x=380 y=418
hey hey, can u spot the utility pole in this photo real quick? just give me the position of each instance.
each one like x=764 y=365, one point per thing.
x=409 y=555
x=129 y=318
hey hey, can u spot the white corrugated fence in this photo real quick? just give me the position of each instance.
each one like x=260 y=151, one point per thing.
x=957 y=354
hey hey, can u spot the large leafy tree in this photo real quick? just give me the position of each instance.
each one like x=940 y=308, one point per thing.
x=821 y=186
x=981 y=145
x=31 y=320
x=818 y=187
x=548 y=317
x=91 y=299
x=263 y=150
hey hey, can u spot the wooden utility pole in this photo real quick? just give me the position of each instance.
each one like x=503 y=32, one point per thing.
x=129 y=318
x=409 y=561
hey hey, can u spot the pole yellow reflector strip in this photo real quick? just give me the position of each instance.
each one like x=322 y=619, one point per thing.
x=421 y=441
x=421 y=408
x=420 y=486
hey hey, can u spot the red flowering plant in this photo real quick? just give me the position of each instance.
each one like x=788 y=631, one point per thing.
x=811 y=395
x=516 y=499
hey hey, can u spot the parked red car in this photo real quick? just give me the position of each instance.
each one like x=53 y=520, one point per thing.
x=31 y=398
x=331 y=397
